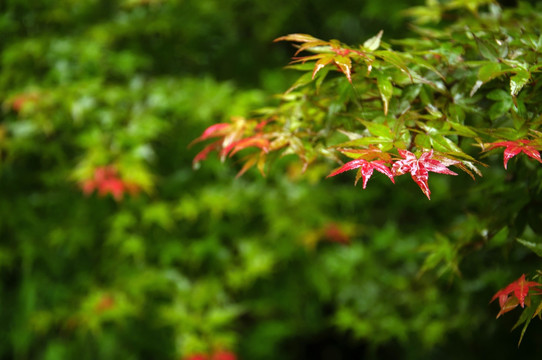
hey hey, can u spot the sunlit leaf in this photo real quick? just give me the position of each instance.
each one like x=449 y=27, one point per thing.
x=489 y=71
x=518 y=81
x=345 y=65
x=297 y=38
x=487 y=49
x=386 y=90
x=374 y=42
x=321 y=63
x=377 y=129
x=534 y=247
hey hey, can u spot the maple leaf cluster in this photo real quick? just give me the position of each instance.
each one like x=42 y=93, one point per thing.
x=516 y=293
x=106 y=180
x=418 y=168
x=333 y=53
x=231 y=139
x=388 y=76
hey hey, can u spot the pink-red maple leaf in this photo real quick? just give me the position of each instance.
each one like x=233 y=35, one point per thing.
x=419 y=168
x=216 y=130
x=366 y=169
x=520 y=288
x=230 y=140
x=515 y=147
x=202 y=155
x=252 y=141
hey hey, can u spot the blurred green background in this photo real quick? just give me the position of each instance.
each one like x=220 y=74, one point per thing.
x=284 y=267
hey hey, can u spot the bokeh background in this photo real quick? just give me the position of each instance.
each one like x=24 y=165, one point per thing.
x=113 y=247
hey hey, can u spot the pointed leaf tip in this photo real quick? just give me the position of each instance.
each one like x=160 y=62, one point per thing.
x=297 y=38
x=419 y=168
x=374 y=42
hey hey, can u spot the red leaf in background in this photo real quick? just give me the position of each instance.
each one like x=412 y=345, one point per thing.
x=107 y=181
x=103 y=173
x=113 y=186
x=224 y=355
x=366 y=169
x=419 y=168
x=21 y=100
x=520 y=288
x=515 y=147
x=106 y=302
x=88 y=186
x=333 y=233
x=197 y=357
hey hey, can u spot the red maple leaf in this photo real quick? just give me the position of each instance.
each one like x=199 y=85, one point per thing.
x=252 y=141
x=419 y=168
x=231 y=140
x=515 y=147
x=216 y=130
x=366 y=169
x=520 y=288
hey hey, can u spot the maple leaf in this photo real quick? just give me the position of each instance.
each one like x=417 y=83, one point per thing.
x=202 y=155
x=252 y=141
x=520 y=288
x=419 y=168
x=216 y=130
x=509 y=304
x=515 y=147
x=231 y=140
x=330 y=52
x=366 y=169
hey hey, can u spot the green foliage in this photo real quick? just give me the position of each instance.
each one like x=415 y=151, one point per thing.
x=420 y=105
